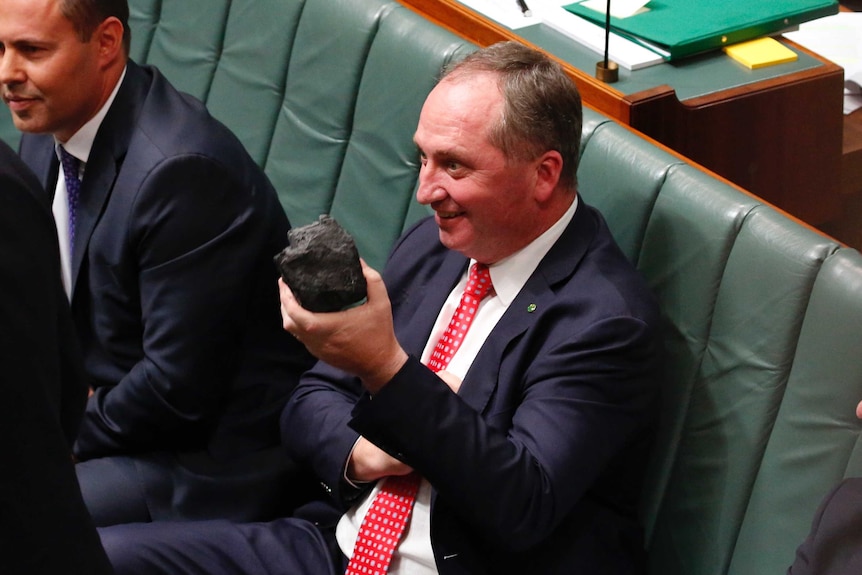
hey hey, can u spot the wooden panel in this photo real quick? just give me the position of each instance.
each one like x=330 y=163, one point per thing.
x=779 y=138
x=851 y=162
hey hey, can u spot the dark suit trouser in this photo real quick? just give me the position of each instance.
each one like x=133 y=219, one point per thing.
x=112 y=491
x=281 y=547
x=187 y=487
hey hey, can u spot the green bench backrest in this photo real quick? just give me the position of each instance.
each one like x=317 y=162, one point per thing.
x=763 y=332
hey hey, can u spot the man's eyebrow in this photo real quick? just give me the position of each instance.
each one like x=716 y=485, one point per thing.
x=28 y=42
x=446 y=154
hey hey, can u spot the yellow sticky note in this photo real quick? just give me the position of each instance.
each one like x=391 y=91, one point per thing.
x=761 y=52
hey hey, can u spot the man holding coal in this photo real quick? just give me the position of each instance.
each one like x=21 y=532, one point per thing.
x=497 y=390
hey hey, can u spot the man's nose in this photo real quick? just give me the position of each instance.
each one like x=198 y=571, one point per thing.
x=429 y=189
x=10 y=70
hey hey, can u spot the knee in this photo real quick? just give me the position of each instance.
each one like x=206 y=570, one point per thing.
x=126 y=550
x=112 y=491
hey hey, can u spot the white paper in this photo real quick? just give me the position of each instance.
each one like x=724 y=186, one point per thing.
x=506 y=12
x=619 y=8
x=837 y=38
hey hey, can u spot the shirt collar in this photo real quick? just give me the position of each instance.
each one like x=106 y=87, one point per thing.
x=510 y=274
x=81 y=142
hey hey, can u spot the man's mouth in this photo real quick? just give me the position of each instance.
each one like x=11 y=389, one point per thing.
x=17 y=102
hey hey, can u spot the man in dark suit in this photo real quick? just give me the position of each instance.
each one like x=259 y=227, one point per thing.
x=527 y=439
x=44 y=526
x=834 y=545
x=167 y=230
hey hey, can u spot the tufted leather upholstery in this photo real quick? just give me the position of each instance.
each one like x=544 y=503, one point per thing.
x=763 y=315
x=763 y=373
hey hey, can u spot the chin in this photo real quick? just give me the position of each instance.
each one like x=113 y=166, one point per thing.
x=450 y=241
x=28 y=125
x=459 y=243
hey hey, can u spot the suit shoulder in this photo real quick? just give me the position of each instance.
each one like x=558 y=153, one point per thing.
x=180 y=124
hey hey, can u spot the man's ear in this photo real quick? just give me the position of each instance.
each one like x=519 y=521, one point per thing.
x=549 y=166
x=109 y=36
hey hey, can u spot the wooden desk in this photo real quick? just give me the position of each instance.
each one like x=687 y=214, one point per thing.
x=780 y=137
x=851 y=162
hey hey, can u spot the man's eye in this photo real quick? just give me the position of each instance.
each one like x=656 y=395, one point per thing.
x=453 y=166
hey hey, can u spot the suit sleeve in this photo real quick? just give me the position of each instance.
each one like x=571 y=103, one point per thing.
x=834 y=540
x=196 y=234
x=315 y=427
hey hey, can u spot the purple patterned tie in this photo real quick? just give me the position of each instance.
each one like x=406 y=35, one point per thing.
x=71 y=167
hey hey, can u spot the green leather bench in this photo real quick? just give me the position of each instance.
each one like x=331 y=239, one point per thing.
x=763 y=315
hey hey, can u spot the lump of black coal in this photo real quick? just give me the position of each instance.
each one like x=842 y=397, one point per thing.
x=321 y=266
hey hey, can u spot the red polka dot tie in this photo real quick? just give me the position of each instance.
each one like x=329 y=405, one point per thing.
x=384 y=524
x=478 y=286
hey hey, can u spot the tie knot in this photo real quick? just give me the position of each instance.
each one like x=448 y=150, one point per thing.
x=71 y=164
x=479 y=281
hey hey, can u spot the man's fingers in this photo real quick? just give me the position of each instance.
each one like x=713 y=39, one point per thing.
x=290 y=308
x=450 y=379
x=374 y=282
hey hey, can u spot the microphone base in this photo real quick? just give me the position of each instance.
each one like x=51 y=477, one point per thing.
x=609 y=74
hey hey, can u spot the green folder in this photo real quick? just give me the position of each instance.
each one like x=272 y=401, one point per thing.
x=679 y=28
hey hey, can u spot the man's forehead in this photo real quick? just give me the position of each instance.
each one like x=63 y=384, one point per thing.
x=464 y=100
x=481 y=82
x=31 y=19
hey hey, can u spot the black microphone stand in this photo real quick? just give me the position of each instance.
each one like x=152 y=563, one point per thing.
x=607 y=71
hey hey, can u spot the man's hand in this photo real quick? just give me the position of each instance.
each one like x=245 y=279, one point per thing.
x=360 y=340
x=369 y=463
x=450 y=379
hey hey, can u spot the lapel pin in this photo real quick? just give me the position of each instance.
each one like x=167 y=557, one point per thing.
x=531 y=308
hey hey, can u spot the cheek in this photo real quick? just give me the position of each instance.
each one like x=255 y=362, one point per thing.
x=509 y=210
x=51 y=81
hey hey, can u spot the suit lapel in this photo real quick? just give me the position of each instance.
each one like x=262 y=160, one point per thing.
x=106 y=157
x=559 y=264
x=484 y=374
x=428 y=305
x=96 y=186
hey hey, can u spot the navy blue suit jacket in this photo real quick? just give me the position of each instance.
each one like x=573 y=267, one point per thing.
x=834 y=545
x=537 y=462
x=174 y=289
